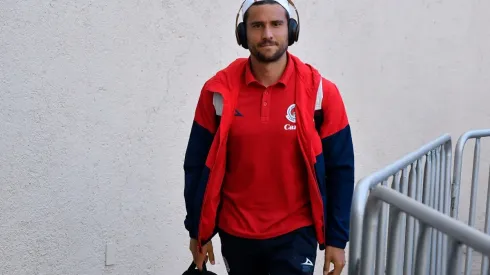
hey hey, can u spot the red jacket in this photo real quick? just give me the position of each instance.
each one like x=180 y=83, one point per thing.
x=205 y=158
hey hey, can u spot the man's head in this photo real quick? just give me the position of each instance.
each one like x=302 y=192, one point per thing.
x=266 y=24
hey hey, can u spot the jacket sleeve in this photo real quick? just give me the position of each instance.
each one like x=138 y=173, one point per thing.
x=202 y=132
x=338 y=153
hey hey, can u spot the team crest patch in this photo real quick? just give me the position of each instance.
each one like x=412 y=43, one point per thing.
x=291 y=113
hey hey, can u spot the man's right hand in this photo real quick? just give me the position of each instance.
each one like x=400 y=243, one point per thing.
x=201 y=258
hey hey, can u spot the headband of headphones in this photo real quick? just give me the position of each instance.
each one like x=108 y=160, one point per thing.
x=248 y=3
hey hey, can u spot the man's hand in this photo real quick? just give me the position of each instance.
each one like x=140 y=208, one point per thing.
x=337 y=257
x=201 y=258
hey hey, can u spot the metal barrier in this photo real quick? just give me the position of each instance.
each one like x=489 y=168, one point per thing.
x=423 y=175
x=429 y=219
x=458 y=166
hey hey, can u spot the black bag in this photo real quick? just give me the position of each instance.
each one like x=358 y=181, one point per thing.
x=192 y=270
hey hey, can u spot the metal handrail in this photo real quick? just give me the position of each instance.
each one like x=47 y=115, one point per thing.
x=456 y=185
x=362 y=189
x=458 y=232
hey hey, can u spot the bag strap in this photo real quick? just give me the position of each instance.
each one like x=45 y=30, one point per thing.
x=193 y=266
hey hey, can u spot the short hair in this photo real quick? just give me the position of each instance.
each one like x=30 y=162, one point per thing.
x=265 y=2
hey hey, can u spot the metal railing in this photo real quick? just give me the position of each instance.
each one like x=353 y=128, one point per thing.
x=423 y=175
x=456 y=186
x=429 y=219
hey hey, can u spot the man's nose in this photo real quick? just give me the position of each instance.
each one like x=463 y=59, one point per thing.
x=267 y=33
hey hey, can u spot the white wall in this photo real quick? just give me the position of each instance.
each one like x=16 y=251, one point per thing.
x=97 y=99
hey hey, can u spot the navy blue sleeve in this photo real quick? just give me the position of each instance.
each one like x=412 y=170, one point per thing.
x=339 y=170
x=338 y=152
x=200 y=140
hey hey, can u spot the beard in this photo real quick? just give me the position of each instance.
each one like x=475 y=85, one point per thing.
x=269 y=57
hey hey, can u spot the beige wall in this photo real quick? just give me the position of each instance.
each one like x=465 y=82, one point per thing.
x=97 y=99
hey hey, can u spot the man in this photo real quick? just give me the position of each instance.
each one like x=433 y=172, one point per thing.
x=269 y=165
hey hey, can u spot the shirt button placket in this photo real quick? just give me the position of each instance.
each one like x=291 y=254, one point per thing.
x=265 y=105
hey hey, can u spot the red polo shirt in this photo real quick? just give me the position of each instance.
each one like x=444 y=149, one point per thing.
x=265 y=188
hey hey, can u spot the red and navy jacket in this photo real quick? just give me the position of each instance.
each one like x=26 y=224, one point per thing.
x=324 y=136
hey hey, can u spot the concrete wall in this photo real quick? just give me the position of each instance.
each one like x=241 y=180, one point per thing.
x=97 y=99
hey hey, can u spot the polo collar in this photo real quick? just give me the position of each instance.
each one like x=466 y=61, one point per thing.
x=286 y=76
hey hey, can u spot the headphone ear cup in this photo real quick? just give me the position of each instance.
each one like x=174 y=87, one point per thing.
x=293 y=31
x=242 y=35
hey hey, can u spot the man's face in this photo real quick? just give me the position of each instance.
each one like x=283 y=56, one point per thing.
x=267 y=32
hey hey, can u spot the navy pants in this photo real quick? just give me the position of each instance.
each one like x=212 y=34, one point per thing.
x=291 y=254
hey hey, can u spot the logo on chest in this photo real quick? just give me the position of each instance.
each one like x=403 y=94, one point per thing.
x=291 y=116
